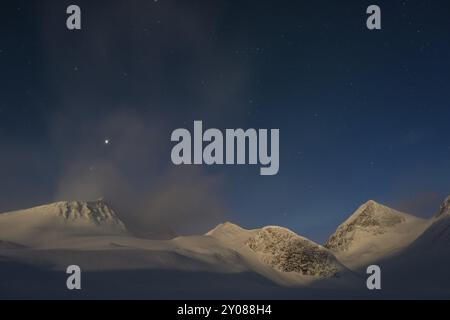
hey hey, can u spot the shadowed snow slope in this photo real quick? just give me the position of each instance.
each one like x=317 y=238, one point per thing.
x=373 y=232
x=435 y=240
x=422 y=268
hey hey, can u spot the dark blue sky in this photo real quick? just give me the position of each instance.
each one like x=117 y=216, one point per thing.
x=362 y=114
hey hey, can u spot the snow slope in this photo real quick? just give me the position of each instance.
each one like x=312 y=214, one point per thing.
x=421 y=269
x=281 y=255
x=373 y=232
x=435 y=240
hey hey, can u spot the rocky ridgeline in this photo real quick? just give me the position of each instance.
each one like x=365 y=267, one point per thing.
x=371 y=217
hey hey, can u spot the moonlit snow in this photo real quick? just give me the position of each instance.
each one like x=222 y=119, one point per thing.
x=228 y=260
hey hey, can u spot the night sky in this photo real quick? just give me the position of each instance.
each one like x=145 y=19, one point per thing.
x=362 y=114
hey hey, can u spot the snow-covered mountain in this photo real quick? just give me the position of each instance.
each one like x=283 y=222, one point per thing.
x=64 y=230
x=286 y=251
x=91 y=235
x=373 y=232
x=60 y=220
x=280 y=254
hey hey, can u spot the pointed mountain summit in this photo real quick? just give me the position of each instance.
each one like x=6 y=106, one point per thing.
x=372 y=232
x=230 y=233
x=226 y=229
x=371 y=217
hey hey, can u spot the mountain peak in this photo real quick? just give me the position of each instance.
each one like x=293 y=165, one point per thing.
x=226 y=226
x=286 y=251
x=444 y=210
x=60 y=219
x=97 y=212
x=373 y=221
x=371 y=203
x=373 y=213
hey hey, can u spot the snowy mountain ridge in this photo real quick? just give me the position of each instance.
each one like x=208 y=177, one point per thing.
x=373 y=231
x=60 y=219
x=92 y=229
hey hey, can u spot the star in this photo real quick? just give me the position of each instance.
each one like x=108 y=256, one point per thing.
x=106 y=141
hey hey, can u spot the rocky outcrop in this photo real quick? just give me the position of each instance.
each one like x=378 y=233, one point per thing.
x=285 y=251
